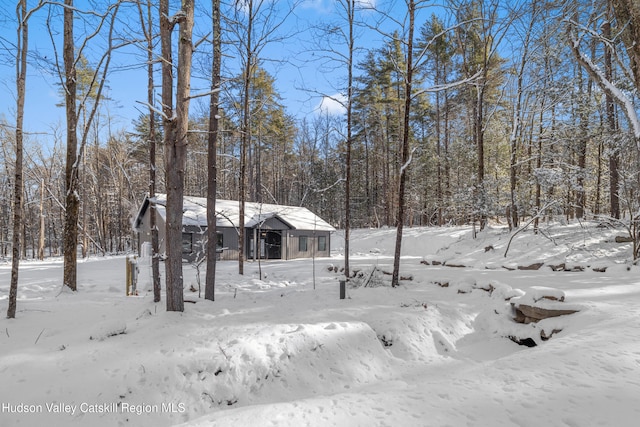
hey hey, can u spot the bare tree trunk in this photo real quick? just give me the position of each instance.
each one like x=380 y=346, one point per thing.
x=438 y=137
x=447 y=164
x=347 y=188
x=395 y=277
x=517 y=120
x=607 y=86
x=614 y=198
x=212 y=159
x=74 y=153
x=246 y=136
x=581 y=148
x=41 y=239
x=72 y=203
x=479 y=137
x=538 y=196
x=155 y=244
x=175 y=138
x=21 y=77
x=84 y=227
x=627 y=13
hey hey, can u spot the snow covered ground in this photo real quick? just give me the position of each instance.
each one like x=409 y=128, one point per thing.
x=287 y=351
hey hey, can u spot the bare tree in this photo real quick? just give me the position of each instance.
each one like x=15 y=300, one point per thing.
x=245 y=139
x=614 y=156
x=155 y=244
x=406 y=157
x=22 y=49
x=610 y=88
x=212 y=149
x=479 y=39
x=254 y=25
x=627 y=13
x=72 y=203
x=406 y=154
x=73 y=106
x=350 y=11
x=336 y=47
x=516 y=123
x=175 y=138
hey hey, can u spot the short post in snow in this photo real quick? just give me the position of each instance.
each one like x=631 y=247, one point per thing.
x=131 y=275
x=343 y=284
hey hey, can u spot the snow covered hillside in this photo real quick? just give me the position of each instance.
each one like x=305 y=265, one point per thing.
x=286 y=351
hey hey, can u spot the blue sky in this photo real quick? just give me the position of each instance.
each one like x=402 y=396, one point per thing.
x=127 y=81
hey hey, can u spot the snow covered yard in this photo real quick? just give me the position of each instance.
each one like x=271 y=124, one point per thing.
x=279 y=352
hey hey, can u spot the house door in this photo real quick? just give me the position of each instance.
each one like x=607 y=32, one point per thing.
x=274 y=244
x=269 y=245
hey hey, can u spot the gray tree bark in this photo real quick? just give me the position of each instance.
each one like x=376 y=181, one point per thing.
x=21 y=77
x=212 y=148
x=175 y=139
x=72 y=201
x=395 y=276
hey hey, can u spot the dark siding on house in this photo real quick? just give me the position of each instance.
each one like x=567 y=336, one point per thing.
x=275 y=227
x=294 y=248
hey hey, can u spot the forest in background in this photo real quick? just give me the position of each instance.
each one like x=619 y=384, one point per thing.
x=506 y=123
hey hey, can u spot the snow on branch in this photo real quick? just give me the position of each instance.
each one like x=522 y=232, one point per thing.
x=202 y=95
x=440 y=88
x=322 y=190
x=179 y=16
x=605 y=84
x=157 y=111
x=610 y=43
x=408 y=162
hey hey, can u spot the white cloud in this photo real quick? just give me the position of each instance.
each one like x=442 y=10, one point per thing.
x=366 y=4
x=333 y=105
x=328 y=6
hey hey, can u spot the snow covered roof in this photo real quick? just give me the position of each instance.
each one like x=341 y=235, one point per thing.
x=228 y=214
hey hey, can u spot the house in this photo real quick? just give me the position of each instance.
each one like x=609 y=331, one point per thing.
x=271 y=231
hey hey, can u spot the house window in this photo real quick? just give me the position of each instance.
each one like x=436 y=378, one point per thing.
x=219 y=242
x=302 y=243
x=322 y=243
x=187 y=243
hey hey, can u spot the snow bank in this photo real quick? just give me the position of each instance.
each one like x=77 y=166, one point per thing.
x=287 y=351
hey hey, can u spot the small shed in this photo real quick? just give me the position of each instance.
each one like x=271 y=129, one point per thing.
x=271 y=231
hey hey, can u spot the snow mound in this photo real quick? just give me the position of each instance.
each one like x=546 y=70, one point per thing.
x=283 y=359
x=422 y=332
x=107 y=329
x=266 y=363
